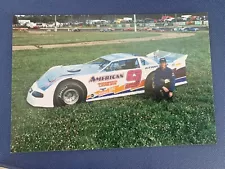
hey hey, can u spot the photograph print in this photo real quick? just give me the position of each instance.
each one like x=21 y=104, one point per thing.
x=86 y=82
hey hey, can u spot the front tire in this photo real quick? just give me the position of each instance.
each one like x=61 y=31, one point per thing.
x=68 y=93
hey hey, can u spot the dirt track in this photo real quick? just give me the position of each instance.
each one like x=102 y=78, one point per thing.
x=162 y=36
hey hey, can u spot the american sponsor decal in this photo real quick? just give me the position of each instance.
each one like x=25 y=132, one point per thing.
x=105 y=78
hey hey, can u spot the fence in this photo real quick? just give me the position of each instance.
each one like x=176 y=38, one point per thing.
x=126 y=25
x=179 y=23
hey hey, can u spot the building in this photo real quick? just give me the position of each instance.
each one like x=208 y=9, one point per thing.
x=23 y=22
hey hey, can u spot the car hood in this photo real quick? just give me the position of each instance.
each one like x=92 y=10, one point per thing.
x=81 y=69
x=57 y=72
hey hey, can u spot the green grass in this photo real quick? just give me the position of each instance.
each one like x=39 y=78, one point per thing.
x=24 y=38
x=131 y=121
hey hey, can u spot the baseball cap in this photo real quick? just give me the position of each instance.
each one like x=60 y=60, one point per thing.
x=162 y=60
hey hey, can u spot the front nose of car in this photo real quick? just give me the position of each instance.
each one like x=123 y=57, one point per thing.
x=38 y=98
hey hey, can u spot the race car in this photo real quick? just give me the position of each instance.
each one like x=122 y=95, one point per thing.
x=157 y=29
x=75 y=30
x=109 y=76
x=107 y=30
x=179 y=28
x=191 y=29
x=186 y=29
x=128 y=29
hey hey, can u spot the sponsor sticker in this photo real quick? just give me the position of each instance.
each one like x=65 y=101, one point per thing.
x=105 y=78
x=111 y=83
x=151 y=67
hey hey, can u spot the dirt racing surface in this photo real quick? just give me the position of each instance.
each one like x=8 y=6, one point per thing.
x=162 y=36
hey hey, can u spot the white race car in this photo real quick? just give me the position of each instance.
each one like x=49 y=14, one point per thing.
x=109 y=76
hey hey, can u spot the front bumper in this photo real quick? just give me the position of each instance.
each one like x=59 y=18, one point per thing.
x=45 y=101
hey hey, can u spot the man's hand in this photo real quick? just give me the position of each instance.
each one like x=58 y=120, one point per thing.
x=170 y=94
x=165 y=89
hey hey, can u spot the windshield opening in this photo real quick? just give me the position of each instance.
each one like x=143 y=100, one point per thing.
x=100 y=62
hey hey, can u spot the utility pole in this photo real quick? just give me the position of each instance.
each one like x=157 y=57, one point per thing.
x=55 y=24
x=176 y=17
x=135 y=23
x=84 y=20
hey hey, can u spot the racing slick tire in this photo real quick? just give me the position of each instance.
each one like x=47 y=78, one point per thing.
x=149 y=84
x=68 y=93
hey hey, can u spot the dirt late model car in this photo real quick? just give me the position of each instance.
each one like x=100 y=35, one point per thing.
x=107 y=30
x=109 y=76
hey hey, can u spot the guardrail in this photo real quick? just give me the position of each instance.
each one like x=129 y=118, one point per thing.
x=158 y=24
x=167 y=28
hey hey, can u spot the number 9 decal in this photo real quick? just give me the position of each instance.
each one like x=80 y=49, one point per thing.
x=133 y=76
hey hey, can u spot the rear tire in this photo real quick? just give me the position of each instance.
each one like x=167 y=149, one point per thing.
x=68 y=93
x=149 y=84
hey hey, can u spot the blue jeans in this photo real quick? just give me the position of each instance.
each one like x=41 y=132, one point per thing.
x=160 y=94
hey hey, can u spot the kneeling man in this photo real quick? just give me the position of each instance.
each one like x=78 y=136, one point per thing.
x=164 y=81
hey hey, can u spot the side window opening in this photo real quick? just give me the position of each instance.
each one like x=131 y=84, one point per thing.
x=123 y=65
x=113 y=66
x=144 y=62
x=132 y=64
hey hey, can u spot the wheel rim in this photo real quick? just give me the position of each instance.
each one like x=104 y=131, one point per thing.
x=70 y=96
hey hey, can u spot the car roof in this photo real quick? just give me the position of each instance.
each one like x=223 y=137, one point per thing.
x=119 y=56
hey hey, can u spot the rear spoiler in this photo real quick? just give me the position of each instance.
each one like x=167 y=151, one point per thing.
x=170 y=56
